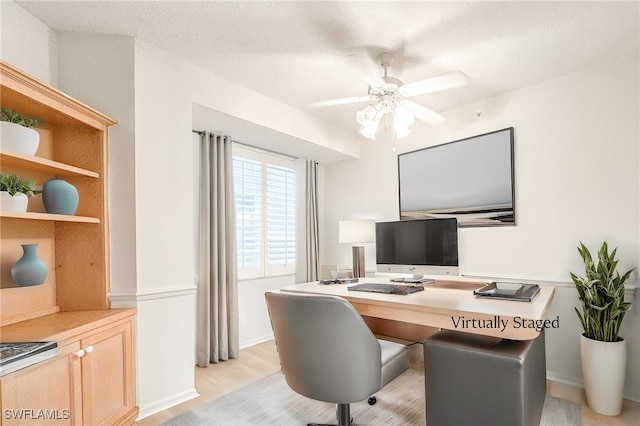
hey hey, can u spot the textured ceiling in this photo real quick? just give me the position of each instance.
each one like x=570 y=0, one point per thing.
x=302 y=52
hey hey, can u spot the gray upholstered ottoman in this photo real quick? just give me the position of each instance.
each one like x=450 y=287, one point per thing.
x=479 y=380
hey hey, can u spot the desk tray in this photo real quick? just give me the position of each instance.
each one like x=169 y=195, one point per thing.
x=508 y=291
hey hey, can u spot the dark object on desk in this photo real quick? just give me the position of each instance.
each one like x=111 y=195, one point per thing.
x=508 y=291
x=15 y=356
x=386 y=288
x=340 y=281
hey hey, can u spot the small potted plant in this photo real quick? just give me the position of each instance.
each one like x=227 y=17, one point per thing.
x=16 y=132
x=601 y=294
x=14 y=192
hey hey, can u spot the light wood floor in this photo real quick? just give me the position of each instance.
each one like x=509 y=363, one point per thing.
x=262 y=360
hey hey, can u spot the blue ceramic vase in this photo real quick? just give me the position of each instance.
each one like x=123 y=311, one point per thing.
x=29 y=269
x=60 y=197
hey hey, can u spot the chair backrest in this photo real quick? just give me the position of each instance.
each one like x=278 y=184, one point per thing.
x=326 y=350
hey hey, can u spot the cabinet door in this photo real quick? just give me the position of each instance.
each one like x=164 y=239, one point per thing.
x=108 y=388
x=46 y=393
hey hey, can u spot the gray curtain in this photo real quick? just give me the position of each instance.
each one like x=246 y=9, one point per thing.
x=217 y=301
x=307 y=247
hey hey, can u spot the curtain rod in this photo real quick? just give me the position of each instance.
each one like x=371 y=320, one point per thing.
x=202 y=132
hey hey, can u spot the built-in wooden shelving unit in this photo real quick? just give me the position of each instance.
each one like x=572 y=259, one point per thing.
x=93 y=376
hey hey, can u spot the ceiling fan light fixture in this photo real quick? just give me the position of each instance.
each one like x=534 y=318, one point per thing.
x=369 y=131
x=402 y=119
x=366 y=115
x=401 y=131
x=369 y=118
x=389 y=97
x=370 y=127
x=403 y=116
x=361 y=118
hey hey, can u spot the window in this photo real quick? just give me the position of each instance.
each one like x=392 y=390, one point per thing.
x=265 y=187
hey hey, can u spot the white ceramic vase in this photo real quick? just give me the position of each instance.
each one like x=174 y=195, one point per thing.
x=16 y=203
x=604 y=365
x=17 y=138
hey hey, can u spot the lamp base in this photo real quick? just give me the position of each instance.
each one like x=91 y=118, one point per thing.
x=358 y=261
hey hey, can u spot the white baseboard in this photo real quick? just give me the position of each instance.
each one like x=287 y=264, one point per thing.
x=564 y=379
x=256 y=341
x=629 y=394
x=157 y=406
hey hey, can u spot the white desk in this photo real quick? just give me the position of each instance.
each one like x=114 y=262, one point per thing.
x=448 y=304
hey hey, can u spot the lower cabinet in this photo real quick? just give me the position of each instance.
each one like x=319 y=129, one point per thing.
x=108 y=390
x=91 y=382
x=49 y=392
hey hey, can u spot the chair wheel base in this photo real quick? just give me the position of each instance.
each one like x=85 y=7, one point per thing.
x=372 y=400
x=330 y=424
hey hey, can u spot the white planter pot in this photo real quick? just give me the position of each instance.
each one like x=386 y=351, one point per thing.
x=17 y=203
x=604 y=365
x=17 y=138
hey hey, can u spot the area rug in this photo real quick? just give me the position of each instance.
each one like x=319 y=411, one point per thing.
x=270 y=401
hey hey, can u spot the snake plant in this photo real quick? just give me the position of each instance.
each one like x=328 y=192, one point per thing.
x=601 y=293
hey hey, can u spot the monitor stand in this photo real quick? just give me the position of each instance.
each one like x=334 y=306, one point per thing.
x=417 y=279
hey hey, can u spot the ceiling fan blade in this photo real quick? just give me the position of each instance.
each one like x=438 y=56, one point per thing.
x=425 y=114
x=440 y=82
x=339 y=101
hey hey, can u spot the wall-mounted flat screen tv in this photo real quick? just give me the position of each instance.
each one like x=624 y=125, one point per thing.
x=470 y=179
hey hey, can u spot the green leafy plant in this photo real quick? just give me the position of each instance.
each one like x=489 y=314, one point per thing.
x=11 y=183
x=601 y=293
x=13 y=116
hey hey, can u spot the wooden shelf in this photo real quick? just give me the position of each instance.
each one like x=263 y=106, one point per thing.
x=72 y=306
x=42 y=165
x=19 y=90
x=49 y=217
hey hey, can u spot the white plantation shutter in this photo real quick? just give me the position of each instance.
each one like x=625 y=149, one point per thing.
x=265 y=188
x=281 y=237
x=247 y=174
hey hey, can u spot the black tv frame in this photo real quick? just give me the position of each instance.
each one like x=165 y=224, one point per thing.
x=477 y=217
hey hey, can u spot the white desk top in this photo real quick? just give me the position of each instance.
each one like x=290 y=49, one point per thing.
x=447 y=304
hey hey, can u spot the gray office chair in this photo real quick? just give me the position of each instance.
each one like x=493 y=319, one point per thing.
x=328 y=353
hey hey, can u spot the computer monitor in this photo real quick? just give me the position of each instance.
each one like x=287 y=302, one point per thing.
x=419 y=247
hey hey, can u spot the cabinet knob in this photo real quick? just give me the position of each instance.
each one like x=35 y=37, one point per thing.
x=80 y=353
x=89 y=349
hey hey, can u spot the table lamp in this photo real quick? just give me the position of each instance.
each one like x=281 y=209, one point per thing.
x=357 y=231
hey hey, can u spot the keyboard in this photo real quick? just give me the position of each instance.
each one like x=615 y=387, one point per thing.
x=386 y=288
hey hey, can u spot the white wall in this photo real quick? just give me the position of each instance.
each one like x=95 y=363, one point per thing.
x=577 y=179
x=98 y=70
x=254 y=318
x=165 y=91
x=27 y=43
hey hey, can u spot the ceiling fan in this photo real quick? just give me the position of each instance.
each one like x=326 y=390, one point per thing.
x=390 y=94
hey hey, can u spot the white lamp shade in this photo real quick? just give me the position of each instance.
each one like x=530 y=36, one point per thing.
x=401 y=131
x=357 y=231
x=369 y=131
x=403 y=116
x=366 y=115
